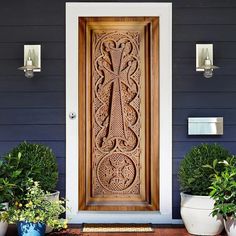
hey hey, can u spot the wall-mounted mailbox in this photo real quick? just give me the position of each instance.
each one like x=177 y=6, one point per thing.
x=205 y=126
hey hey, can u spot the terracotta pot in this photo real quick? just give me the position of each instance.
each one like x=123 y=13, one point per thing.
x=196 y=215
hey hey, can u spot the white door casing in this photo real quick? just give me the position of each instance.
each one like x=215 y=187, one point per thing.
x=164 y=12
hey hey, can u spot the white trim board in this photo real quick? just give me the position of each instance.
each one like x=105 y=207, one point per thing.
x=164 y=12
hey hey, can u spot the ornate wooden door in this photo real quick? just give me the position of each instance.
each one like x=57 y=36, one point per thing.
x=118 y=120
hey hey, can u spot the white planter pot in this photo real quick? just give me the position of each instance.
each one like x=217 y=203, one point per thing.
x=3 y=228
x=196 y=214
x=230 y=226
x=3 y=225
x=51 y=197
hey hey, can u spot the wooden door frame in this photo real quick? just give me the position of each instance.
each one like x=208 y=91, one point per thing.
x=164 y=12
x=146 y=197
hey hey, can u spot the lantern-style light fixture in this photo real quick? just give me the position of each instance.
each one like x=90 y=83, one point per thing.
x=32 y=60
x=204 y=59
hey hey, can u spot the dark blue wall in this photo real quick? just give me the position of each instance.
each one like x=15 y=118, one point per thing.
x=34 y=110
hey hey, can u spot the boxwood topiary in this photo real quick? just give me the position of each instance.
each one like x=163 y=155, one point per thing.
x=34 y=161
x=194 y=178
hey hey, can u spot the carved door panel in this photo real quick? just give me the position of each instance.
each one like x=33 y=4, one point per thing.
x=118 y=121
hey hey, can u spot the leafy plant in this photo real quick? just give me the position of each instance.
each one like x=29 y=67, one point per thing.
x=223 y=188
x=7 y=184
x=5 y=191
x=35 y=207
x=193 y=177
x=35 y=161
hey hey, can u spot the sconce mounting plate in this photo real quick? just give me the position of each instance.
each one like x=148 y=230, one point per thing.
x=34 y=52
x=202 y=51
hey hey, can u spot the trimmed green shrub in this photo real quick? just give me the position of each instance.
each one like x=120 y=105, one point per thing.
x=194 y=178
x=35 y=161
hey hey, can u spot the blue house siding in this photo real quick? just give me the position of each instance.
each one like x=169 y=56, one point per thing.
x=34 y=110
x=202 y=21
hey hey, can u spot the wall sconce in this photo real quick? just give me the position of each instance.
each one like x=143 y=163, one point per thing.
x=204 y=59
x=32 y=60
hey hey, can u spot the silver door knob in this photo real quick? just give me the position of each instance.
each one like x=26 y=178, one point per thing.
x=72 y=115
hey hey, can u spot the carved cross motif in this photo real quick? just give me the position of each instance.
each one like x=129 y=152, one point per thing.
x=117 y=78
x=117 y=127
x=116 y=172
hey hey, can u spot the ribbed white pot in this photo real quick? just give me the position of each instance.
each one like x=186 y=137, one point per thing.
x=52 y=197
x=196 y=214
x=3 y=225
x=230 y=226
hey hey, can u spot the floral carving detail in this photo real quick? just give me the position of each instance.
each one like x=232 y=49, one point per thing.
x=116 y=172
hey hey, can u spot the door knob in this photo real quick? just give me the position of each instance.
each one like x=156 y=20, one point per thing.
x=72 y=115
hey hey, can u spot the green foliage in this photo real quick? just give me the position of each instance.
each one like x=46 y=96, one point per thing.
x=193 y=175
x=6 y=191
x=35 y=207
x=7 y=184
x=34 y=161
x=223 y=188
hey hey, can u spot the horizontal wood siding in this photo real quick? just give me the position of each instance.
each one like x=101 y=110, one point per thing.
x=193 y=95
x=34 y=110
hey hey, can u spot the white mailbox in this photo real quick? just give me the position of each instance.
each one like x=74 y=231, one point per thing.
x=205 y=126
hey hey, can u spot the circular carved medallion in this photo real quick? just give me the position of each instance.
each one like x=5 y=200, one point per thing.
x=116 y=172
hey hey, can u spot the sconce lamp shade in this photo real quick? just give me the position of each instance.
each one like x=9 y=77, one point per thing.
x=29 y=68
x=204 y=59
x=32 y=59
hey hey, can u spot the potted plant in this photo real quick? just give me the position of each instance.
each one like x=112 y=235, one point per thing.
x=35 y=161
x=33 y=211
x=6 y=194
x=5 y=188
x=194 y=178
x=223 y=191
